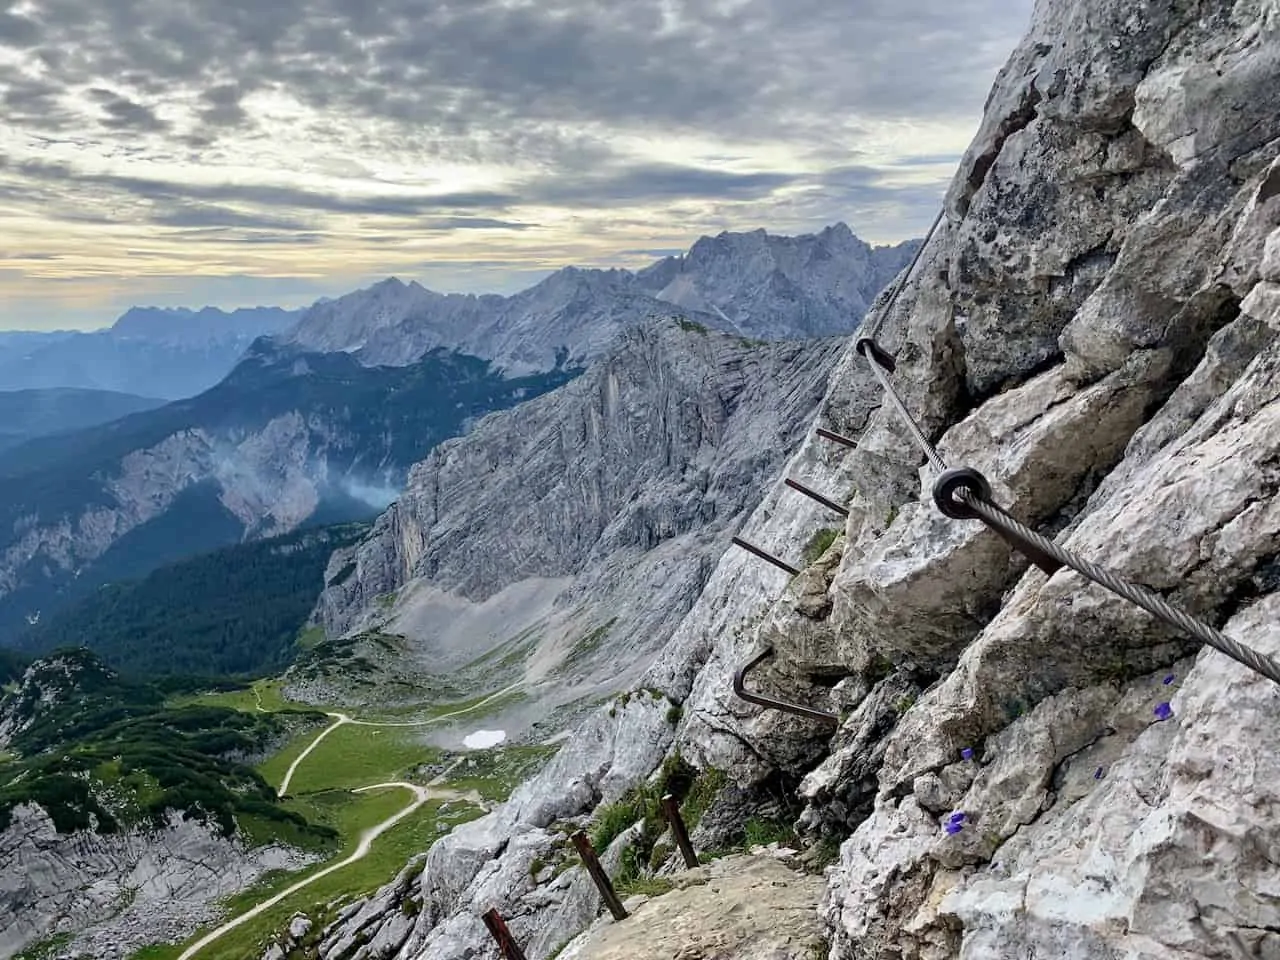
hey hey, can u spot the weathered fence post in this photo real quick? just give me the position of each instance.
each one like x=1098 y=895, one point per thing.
x=592 y=863
x=498 y=929
x=671 y=810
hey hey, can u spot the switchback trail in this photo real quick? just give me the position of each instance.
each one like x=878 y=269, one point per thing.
x=420 y=796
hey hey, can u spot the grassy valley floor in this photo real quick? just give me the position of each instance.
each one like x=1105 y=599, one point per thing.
x=354 y=753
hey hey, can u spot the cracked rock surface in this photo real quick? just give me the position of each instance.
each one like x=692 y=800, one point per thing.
x=116 y=893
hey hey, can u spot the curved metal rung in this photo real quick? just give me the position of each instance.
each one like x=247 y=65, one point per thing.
x=837 y=437
x=765 y=555
x=740 y=688
x=815 y=495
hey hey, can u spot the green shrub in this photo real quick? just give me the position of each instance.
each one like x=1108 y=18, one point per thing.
x=819 y=543
x=762 y=832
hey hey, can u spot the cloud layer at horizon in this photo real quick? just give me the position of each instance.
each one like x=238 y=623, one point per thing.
x=229 y=151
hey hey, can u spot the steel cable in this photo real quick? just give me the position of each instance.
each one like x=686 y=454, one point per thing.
x=964 y=494
x=1013 y=528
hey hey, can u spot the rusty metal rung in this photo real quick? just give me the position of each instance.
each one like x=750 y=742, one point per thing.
x=837 y=437
x=765 y=555
x=740 y=688
x=815 y=495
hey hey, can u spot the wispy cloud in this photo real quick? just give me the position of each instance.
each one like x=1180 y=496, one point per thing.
x=509 y=130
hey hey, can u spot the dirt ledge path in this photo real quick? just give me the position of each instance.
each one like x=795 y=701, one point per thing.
x=742 y=907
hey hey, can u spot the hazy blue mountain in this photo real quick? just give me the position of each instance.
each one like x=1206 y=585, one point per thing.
x=153 y=351
x=282 y=442
x=26 y=414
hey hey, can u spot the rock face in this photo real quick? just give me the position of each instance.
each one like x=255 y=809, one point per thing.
x=117 y=893
x=749 y=908
x=752 y=284
x=590 y=517
x=1096 y=327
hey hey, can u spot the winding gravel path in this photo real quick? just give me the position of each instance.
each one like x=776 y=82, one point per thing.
x=420 y=796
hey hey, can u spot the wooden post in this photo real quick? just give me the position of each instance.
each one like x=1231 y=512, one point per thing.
x=592 y=863
x=498 y=929
x=671 y=810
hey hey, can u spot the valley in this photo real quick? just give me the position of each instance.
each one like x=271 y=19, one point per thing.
x=387 y=793
x=366 y=795
x=314 y=706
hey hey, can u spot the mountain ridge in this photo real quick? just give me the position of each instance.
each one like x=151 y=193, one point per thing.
x=754 y=284
x=590 y=515
x=286 y=433
x=165 y=352
x=27 y=414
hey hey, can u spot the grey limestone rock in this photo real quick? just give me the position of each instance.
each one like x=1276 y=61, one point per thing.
x=117 y=893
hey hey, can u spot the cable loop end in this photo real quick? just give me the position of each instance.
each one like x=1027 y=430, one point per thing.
x=950 y=482
x=873 y=351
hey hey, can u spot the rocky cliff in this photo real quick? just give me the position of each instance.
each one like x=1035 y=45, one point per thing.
x=1096 y=326
x=574 y=532
x=770 y=287
x=109 y=895
x=815 y=285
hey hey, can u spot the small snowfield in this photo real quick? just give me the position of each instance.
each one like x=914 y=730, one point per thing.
x=483 y=739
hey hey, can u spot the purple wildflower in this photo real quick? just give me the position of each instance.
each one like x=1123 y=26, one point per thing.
x=953 y=827
x=1168 y=680
x=1163 y=711
x=958 y=817
x=967 y=753
x=1097 y=774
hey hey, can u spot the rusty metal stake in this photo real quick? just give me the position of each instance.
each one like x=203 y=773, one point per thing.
x=592 y=863
x=825 y=501
x=502 y=936
x=752 y=548
x=671 y=810
x=837 y=437
x=740 y=688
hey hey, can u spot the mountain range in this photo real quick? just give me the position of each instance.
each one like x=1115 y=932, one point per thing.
x=321 y=422
x=169 y=353
x=753 y=284
x=952 y=751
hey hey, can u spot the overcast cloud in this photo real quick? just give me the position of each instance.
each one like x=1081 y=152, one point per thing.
x=222 y=150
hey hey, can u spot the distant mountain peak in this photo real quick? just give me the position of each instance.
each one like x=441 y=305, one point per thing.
x=748 y=283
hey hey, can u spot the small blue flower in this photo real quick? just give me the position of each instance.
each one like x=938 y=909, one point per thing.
x=967 y=753
x=1168 y=680
x=1163 y=711
x=1097 y=774
x=953 y=827
x=958 y=817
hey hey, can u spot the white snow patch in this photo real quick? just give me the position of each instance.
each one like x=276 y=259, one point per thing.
x=482 y=739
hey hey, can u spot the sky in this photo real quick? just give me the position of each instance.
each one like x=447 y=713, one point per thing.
x=244 y=152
